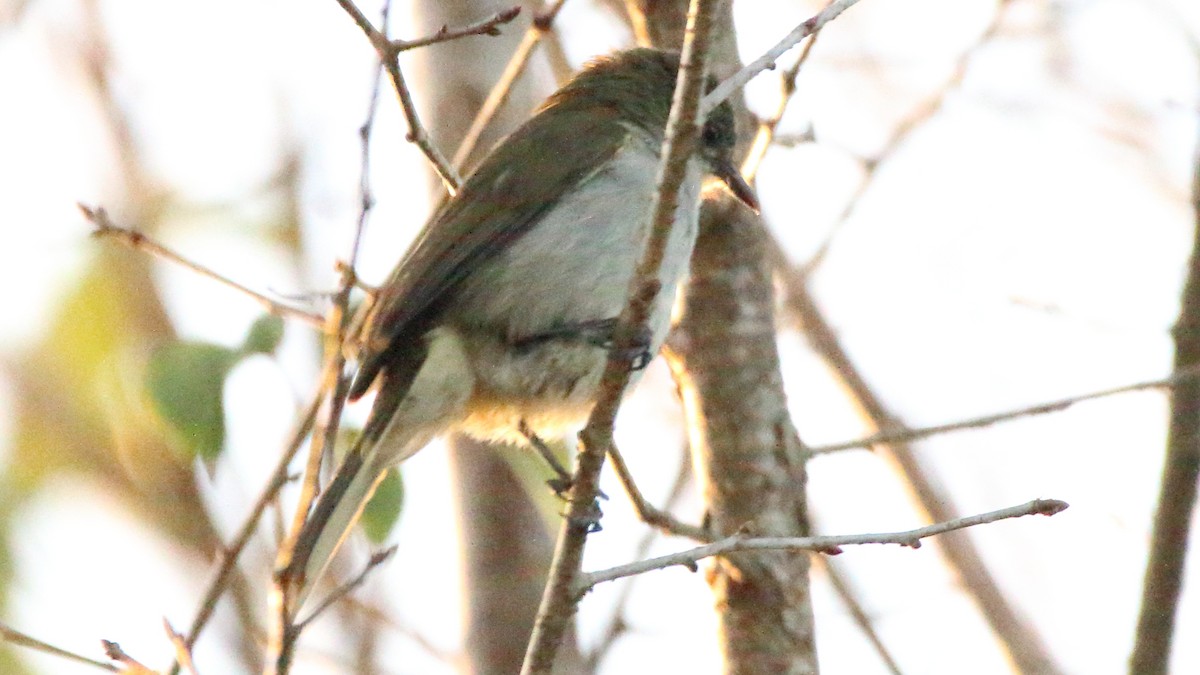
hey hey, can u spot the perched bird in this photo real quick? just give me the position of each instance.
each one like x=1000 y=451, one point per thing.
x=497 y=321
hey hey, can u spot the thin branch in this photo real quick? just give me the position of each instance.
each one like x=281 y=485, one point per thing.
x=488 y=26
x=767 y=60
x=16 y=637
x=1188 y=374
x=617 y=626
x=132 y=665
x=766 y=130
x=845 y=592
x=183 y=653
x=377 y=559
x=915 y=119
x=647 y=512
x=416 y=131
x=366 y=197
x=826 y=544
x=291 y=559
x=503 y=87
x=559 y=600
x=1020 y=638
x=279 y=478
x=140 y=242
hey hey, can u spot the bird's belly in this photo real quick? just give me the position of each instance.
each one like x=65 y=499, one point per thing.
x=548 y=388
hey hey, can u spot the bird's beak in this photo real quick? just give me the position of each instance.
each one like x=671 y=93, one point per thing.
x=729 y=174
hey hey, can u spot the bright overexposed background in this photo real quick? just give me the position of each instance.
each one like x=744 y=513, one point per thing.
x=1026 y=242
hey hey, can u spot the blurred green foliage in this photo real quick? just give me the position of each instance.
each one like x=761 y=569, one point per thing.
x=185 y=382
x=383 y=510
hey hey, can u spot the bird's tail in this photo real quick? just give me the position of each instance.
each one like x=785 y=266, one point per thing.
x=409 y=411
x=332 y=518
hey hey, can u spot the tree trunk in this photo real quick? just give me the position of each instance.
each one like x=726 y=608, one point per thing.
x=725 y=360
x=1181 y=472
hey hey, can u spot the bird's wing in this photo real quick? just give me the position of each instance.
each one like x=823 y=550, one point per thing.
x=528 y=174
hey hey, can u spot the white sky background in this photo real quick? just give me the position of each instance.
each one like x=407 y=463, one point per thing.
x=1028 y=243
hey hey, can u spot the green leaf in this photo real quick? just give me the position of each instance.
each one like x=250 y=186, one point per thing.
x=264 y=335
x=383 y=509
x=185 y=382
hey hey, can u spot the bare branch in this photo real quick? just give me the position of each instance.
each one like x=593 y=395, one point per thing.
x=1188 y=374
x=827 y=544
x=1167 y=563
x=767 y=60
x=503 y=87
x=16 y=637
x=342 y=591
x=132 y=665
x=1020 y=638
x=766 y=130
x=558 y=601
x=183 y=653
x=647 y=512
x=488 y=26
x=140 y=242
x=279 y=478
x=416 y=131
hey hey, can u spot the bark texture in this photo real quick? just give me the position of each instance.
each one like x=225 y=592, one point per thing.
x=743 y=446
x=724 y=357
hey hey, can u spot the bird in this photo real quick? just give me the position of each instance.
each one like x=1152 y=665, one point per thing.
x=498 y=320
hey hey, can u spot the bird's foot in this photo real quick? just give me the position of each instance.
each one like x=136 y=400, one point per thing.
x=590 y=520
x=563 y=480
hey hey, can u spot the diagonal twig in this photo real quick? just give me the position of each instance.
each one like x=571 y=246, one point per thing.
x=16 y=637
x=766 y=130
x=739 y=79
x=500 y=91
x=488 y=26
x=279 y=478
x=139 y=241
x=342 y=591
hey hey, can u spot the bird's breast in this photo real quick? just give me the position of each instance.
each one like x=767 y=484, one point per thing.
x=573 y=266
